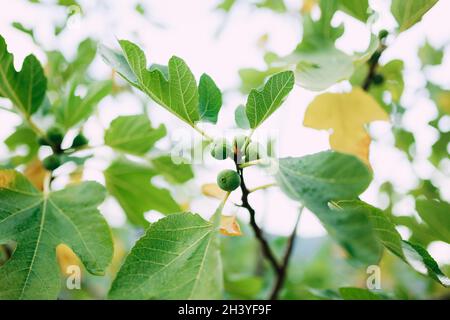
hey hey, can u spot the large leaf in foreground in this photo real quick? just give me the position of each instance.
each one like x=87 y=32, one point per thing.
x=133 y=134
x=38 y=223
x=26 y=88
x=315 y=180
x=130 y=183
x=416 y=256
x=349 y=293
x=177 y=258
x=262 y=103
x=409 y=12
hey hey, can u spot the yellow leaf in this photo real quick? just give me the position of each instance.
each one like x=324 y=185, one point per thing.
x=76 y=176
x=212 y=190
x=66 y=258
x=35 y=172
x=185 y=206
x=443 y=102
x=118 y=256
x=229 y=226
x=7 y=177
x=262 y=41
x=346 y=114
x=307 y=6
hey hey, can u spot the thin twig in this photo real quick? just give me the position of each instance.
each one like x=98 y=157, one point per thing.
x=373 y=66
x=285 y=263
x=267 y=251
x=265 y=186
x=251 y=163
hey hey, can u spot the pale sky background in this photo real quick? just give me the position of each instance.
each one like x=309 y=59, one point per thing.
x=189 y=29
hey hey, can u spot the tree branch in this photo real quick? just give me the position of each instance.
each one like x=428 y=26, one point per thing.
x=373 y=66
x=287 y=255
x=267 y=252
x=280 y=270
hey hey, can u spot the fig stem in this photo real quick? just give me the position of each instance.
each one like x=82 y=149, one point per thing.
x=251 y=163
x=264 y=186
x=203 y=133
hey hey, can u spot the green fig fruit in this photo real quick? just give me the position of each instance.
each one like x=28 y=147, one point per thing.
x=378 y=79
x=51 y=162
x=221 y=149
x=228 y=180
x=55 y=136
x=79 y=141
x=254 y=151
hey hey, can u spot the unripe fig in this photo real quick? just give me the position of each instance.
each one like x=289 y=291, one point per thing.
x=228 y=180
x=43 y=141
x=79 y=141
x=378 y=79
x=221 y=149
x=55 y=136
x=254 y=151
x=51 y=162
x=383 y=34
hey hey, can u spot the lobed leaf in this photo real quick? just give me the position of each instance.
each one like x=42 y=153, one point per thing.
x=22 y=136
x=177 y=258
x=173 y=87
x=262 y=103
x=349 y=293
x=172 y=172
x=38 y=223
x=346 y=114
x=316 y=180
x=77 y=109
x=429 y=55
x=409 y=12
x=358 y=9
x=133 y=134
x=416 y=256
x=129 y=182
x=436 y=214
x=25 y=88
